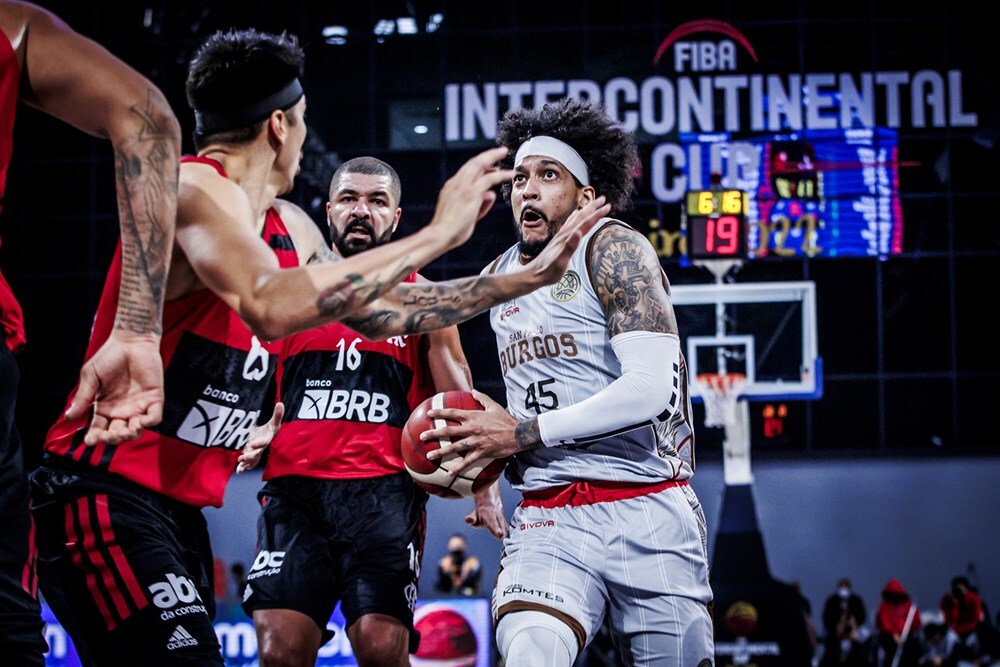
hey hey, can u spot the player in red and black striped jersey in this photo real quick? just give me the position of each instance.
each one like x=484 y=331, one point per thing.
x=126 y=562
x=47 y=65
x=341 y=519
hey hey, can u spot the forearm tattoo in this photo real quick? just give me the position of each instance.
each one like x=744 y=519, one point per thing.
x=421 y=307
x=354 y=291
x=630 y=283
x=146 y=169
x=527 y=435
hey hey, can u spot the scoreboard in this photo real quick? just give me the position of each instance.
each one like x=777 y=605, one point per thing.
x=714 y=223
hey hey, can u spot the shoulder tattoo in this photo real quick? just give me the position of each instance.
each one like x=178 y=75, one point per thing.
x=630 y=283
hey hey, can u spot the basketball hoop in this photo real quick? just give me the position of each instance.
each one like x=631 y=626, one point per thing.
x=720 y=392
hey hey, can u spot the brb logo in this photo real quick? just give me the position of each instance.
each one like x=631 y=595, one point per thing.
x=211 y=424
x=355 y=405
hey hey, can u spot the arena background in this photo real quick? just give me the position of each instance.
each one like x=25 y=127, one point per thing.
x=892 y=473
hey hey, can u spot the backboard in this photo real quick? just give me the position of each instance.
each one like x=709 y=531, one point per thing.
x=765 y=331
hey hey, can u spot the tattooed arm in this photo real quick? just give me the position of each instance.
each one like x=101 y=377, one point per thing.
x=630 y=283
x=642 y=330
x=71 y=77
x=422 y=307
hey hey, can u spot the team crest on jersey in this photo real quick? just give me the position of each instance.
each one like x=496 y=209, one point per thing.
x=567 y=287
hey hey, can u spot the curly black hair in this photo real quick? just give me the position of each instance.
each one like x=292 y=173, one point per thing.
x=610 y=152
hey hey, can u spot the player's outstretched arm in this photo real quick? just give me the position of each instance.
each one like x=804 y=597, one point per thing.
x=420 y=307
x=642 y=330
x=71 y=77
x=232 y=261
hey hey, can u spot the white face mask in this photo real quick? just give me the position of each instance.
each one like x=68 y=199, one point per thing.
x=843 y=591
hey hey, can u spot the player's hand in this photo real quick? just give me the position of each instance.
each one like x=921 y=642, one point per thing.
x=468 y=195
x=550 y=264
x=259 y=440
x=488 y=512
x=479 y=433
x=124 y=383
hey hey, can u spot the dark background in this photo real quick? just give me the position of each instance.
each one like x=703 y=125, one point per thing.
x=907 y=340
x=892 y=473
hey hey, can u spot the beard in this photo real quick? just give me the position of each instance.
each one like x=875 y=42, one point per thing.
x=531 y=249
x=353 y=246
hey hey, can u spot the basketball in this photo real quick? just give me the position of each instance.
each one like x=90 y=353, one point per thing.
x=432 y=476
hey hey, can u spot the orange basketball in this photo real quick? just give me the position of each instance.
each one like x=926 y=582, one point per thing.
x=432 y=476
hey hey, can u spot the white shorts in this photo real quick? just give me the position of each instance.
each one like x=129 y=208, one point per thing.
x=638 y=553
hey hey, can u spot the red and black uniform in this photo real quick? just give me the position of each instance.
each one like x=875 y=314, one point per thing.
x=21 y=628
x=125 y=557
x=341 y=519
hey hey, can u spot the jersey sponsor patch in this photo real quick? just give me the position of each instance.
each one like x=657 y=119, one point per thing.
x=214 y=391
x=366 y=387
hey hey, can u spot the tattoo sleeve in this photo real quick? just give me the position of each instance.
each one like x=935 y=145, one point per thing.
x=146 y=172
x=421 y=307
x=630 y=283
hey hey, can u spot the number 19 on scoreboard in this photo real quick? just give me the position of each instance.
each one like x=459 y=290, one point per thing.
x=714 y=224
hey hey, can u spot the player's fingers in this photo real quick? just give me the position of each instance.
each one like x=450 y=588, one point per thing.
x=277 y=415
x=453 y=414
x=487 y=158
x=121 y=430
x=135 y=426
x=464 y=462
x=152 y=415
x=86 y=392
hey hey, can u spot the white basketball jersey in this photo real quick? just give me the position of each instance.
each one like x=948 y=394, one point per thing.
x=554 y=352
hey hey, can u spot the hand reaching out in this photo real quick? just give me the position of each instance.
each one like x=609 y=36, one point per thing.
x=124 y=383
x=488 y=512
x=260 y=438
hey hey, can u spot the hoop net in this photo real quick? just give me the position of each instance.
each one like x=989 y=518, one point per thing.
x=720 y=391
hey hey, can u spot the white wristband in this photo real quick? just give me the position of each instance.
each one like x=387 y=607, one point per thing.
x=648 y=391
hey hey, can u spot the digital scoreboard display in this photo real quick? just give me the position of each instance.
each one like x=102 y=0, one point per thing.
x=715 y=224
x=819 y=193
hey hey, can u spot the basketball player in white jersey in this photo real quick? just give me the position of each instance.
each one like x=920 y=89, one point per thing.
x=597 y=419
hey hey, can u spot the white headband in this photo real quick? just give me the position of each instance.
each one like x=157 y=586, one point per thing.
x=551 y=147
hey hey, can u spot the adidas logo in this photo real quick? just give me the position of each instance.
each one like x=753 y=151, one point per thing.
x=180 y=639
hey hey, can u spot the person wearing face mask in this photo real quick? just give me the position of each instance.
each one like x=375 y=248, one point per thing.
x=842 y=609
x=845 y=636
x=458 y=572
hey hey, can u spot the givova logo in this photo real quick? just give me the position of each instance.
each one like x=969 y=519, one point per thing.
x=209 y=424
x=355 y=405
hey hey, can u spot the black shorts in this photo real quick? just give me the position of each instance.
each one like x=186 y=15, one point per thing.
x=22 y=641
x=128 y=572
x=356 y=541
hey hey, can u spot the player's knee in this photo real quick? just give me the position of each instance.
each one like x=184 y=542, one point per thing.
x=276 y=649
x=528 y=638
x=378 y=642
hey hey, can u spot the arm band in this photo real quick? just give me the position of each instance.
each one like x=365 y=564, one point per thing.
x=648 y=391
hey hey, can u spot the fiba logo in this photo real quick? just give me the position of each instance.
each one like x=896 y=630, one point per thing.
x=567 y=287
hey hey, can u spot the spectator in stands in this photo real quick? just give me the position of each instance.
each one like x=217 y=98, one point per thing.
x=843 y=616
x=458 y=572
x=897 y=622
x=940 y=646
